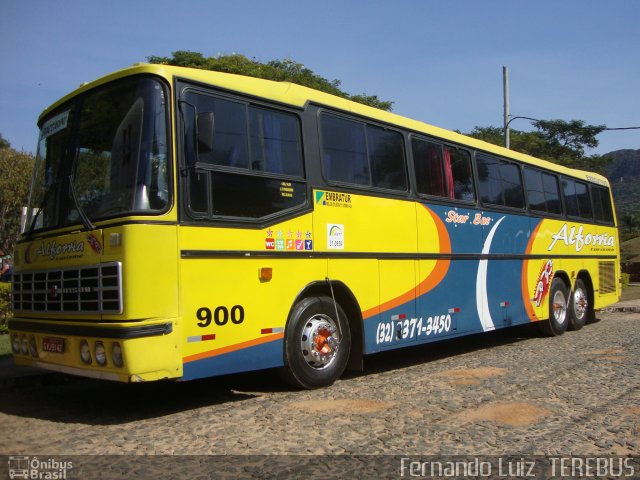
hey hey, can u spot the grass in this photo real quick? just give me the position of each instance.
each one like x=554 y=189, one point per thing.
x=5 y=346
x=632 y=292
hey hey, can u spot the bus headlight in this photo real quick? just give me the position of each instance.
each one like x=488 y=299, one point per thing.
x=33 y=347
x=85 y=352
x=15 y=343
x=101 y=354
x=24 y=345
x=116 y=355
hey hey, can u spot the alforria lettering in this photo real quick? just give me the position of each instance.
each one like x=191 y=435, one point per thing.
x=579 y=240
x=53 y=250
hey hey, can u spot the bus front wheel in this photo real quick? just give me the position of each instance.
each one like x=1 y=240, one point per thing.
x=317 y=343
x=558 y=310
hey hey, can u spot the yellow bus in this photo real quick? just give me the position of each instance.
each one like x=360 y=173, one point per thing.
x=186 y=223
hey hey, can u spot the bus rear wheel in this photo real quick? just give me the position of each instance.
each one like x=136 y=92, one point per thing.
x=579 y=309
x=317 y=343
x=558 y=305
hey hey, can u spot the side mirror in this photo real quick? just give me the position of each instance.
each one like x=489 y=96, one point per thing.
x=205 y=132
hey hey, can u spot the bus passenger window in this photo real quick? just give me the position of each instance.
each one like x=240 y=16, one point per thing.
x=602 y=204
x=500 y=182
x=576 y=198
x=542 y=191
x=344 y=151
x=428 y=164
x=461 y=173
x=584 y=200
x=386 y=153
x=275 y=144
x=552 y=193
x=489 y=177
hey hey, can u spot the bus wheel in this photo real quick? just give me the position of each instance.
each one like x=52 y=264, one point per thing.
x=558 y=315
x=579 y=308
x=317 y=343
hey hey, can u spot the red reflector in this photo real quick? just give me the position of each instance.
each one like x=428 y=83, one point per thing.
x=402 y=316
x=209 y=337
x=454 y=310
x=264 y=331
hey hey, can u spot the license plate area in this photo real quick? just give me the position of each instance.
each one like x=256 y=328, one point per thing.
x=53 y=345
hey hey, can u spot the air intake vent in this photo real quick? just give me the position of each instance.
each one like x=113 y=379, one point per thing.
x=607 y=276
x=88 y=289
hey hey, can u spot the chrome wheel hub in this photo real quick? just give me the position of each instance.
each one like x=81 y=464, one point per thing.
x=320 y=341
x=559 y=307
x=580 y=303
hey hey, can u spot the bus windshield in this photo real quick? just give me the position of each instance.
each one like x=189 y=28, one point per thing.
x=102 y=155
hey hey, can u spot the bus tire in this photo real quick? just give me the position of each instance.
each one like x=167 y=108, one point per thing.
x=316 y=343
x=558 y=315
x=579 y=309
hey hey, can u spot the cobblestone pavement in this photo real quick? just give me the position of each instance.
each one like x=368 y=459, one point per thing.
x=501 y=393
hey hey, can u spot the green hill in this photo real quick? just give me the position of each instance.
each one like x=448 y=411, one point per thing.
x=624 y=174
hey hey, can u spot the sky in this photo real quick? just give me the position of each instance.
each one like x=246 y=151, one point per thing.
x=439 y=61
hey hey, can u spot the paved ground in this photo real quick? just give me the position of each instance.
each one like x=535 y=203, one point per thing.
x=501 y=393
x=511 y=392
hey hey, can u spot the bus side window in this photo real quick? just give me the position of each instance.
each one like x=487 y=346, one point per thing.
x=428 y=164
x=576 y=198
x=542 y=191
x=460 y=175
x=500 y=182
x=344 y=154
x=489 y=177
x=386 y=155
x=602 y=204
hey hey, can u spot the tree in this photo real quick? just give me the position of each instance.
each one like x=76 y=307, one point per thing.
x=558 y=141
x=16 y=168
x=285 y=70
x=3 y=143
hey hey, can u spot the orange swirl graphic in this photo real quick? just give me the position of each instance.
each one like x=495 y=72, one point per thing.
x=525 y=281
x=431 y=281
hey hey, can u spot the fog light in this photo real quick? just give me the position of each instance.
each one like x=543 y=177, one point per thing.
x=101 y=354
x=85 y=352
x=24 y=345
x=15 y=343
x=33 y=347
x=116 y=355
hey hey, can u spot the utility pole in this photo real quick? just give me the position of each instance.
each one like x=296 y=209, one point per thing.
x=505 y=88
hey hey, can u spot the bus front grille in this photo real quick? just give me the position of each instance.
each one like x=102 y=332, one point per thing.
x=80 y=290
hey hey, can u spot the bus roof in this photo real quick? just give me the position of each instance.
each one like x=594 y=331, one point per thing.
x=298 y=96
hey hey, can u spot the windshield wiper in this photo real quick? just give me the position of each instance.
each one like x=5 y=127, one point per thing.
x=83 y=216
x=32 y=226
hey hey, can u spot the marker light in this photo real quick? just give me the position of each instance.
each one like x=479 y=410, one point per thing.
x=116 y=355
x=85 y=352
x=15 y=343
x=33 y=347
x=101 y=354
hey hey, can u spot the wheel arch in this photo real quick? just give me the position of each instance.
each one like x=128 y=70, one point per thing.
x=347 y=300
x=585 y=276
x=561 y=274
